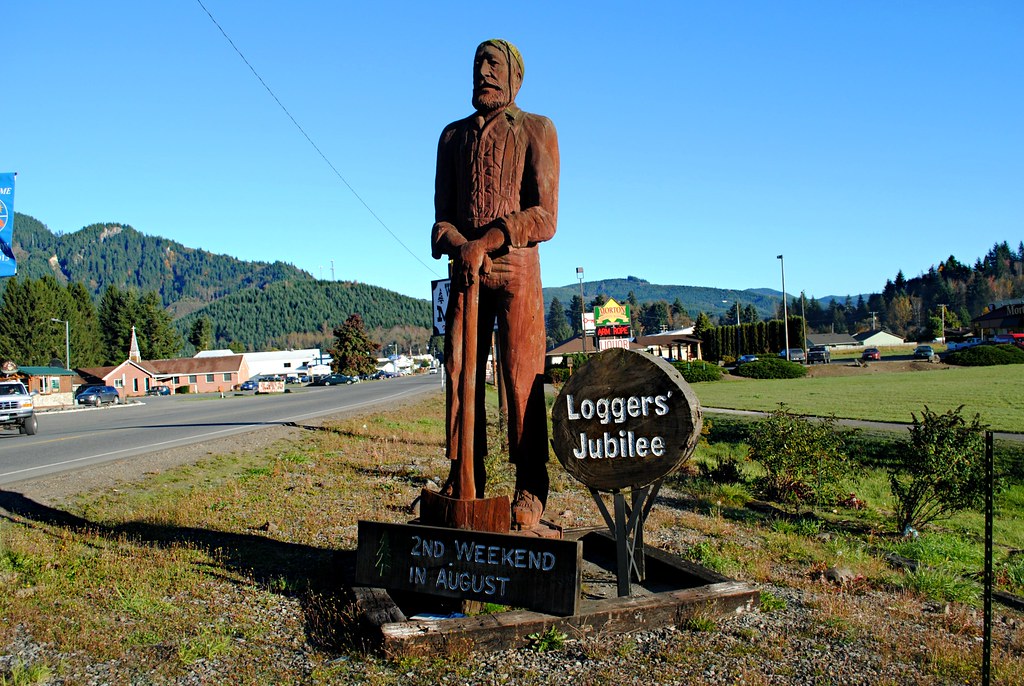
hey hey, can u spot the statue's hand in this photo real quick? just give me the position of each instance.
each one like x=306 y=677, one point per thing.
x=473 y=260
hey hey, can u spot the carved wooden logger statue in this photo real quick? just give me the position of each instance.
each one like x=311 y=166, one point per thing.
x=495 y=201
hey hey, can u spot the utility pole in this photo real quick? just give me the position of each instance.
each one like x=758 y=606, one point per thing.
x=785 y=310
x=583 y=310
x=873 y=320
x=67 y=340
x=942 y=336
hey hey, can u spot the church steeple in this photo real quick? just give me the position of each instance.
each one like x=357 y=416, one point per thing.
x=133 y=349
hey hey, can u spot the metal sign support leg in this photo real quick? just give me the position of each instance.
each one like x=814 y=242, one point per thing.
x=627 y=526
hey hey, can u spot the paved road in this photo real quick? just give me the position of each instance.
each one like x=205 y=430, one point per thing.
x=82 y=438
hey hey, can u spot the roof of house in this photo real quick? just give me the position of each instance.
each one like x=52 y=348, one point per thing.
x=198 y=365
x=1007 y=316
x=575 y=345
x=97 y=374
x=666 y=339
x=864 y=335
x=222 y=352
x=46 y=371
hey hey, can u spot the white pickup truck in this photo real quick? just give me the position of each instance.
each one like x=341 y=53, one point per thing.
x=17 y=410
x=963 y=345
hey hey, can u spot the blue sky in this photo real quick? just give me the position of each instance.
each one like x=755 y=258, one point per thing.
x=698 y=139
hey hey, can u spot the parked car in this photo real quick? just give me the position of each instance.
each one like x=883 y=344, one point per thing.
x=17 y=409
x=158 y=390
x=871 y=354
x=925 y=352
x=963 y=345
x=795 y=355
x=249 y=385
x=335 y=380
x=819 y=353
x=98 y=395
x=746 y=358
x=1012 y=338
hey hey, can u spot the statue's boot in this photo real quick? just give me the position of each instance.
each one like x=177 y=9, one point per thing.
x=530 y=497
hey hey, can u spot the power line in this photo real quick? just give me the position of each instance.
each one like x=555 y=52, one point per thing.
x=306 y=136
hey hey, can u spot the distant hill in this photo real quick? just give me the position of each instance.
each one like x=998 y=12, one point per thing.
x=103 y=254
x=257 y=305
x=258 y=318
x=693 y=298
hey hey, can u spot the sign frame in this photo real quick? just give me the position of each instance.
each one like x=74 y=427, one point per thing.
x=540 y=574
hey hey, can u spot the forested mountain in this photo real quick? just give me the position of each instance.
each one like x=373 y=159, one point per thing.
x=113 y=254
x=694 y=299
x=250 y=305
x=260 y=318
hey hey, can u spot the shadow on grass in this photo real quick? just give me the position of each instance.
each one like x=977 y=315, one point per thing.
x=318 y=578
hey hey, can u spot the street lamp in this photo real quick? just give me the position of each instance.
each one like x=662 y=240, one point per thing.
x=583 y=309
x=943 y=334
x=67 y=340
x=785 y=310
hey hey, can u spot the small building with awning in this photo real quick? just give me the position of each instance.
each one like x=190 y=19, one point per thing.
x=51 y=386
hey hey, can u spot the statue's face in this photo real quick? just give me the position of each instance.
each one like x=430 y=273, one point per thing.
x=490 y=79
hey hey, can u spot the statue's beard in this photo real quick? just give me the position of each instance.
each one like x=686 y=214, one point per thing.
x=489 y=100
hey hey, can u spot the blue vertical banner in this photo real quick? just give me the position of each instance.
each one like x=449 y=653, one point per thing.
x=8 y=266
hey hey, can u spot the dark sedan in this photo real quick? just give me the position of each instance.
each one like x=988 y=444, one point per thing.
x=98 y=395
x=335 y=380
x=871 y=354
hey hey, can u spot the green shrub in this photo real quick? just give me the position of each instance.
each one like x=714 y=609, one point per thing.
x=558 y=375
x=804 y=460
x=770 y=368
x=986 y=356
x=698 y=370
x=939 y=469
x=721 y=468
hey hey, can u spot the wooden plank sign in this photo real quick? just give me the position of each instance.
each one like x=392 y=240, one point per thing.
x=624 y=420
x=521 y=571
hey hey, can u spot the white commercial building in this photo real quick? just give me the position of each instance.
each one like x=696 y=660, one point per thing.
x=298 y=363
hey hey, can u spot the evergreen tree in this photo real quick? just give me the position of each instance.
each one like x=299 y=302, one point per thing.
x=680 y=317
x=84 y=327
x=702 y=326
x=27 y=336
x=117 y=315
x=576 y=315
x=353 y=351
x=201 y=334
x=557 y=325
x=749 y=314
x=654 y=317
x=634 y=313
x=158 y=339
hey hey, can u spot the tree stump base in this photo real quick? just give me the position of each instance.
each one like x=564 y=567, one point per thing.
x=480 y=514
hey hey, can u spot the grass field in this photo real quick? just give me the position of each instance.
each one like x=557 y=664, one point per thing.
x=227 y=570
x=992 y=392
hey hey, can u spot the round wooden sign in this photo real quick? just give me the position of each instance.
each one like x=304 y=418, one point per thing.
x=624 y=420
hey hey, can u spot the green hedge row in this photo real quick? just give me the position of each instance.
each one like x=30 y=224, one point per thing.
x=698 y=370
x=770 y=368
x=986 y=356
